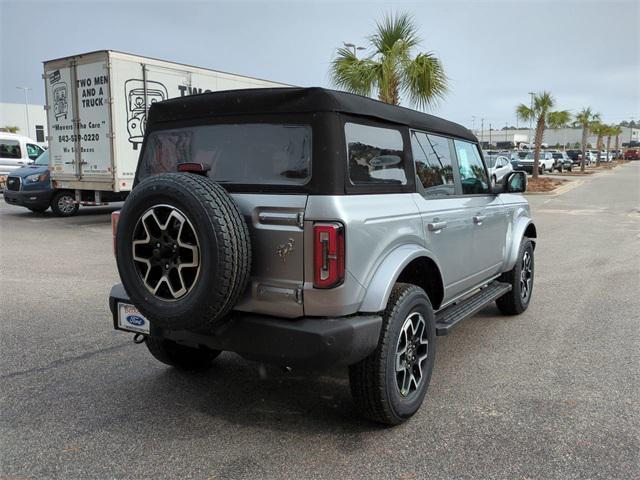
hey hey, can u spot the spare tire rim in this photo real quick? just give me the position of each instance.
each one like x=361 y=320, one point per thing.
x=166 y=252
x=412 y=352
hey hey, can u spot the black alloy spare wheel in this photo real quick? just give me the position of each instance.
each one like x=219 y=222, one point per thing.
x=183 y=251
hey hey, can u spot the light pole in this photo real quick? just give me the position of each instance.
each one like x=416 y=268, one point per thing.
x=26 y=108
x=531 y=121
x=354 y=47
x=473 y=123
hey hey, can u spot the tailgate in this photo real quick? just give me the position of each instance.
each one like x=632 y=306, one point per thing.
x=277 y=272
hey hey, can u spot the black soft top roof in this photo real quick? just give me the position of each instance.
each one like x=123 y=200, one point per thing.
x=297 y=100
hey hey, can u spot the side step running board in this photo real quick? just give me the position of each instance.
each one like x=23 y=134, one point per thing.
x=449 y=317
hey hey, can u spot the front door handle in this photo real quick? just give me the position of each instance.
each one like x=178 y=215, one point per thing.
x=436 y=226
x=478 y=219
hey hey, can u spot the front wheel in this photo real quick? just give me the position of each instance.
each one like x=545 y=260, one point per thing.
x=180 y=356
x=560 y=169
x=63 y=204
x=390 y=384
x=521 y=279
x=542 y=170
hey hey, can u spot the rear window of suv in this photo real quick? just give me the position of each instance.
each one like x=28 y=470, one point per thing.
x=243 y=153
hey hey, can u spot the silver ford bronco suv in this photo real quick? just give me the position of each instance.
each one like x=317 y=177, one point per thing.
x=309 y=227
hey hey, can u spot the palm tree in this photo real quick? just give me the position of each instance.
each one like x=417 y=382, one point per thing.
x=599 y=130
x=391 y=69
x=541 y=113
x=616 y=132
x=585 y=119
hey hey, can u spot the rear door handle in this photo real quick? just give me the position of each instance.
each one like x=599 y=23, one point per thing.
x=436 y=226
x=478 y=219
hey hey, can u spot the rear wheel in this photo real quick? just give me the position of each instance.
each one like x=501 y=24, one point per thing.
x=390 y=384
x=180 y=356
x=63 y=204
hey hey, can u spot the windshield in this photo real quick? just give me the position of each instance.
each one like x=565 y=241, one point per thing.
x=43 y=159
x=234 y=153
x=557 y=155
x=491 y=161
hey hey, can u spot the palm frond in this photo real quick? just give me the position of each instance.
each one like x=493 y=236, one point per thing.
x=352 y=74
x=559 y=118
x=525 y=113
x=424 y=80
x=393 y=29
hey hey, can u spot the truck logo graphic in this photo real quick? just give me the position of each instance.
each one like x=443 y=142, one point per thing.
x=60 y=95
x=136 y=108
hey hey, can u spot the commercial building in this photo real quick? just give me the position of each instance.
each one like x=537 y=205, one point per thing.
x=552 y=137
x=15 y=115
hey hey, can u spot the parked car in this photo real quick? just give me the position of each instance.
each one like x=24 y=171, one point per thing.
x=590 y=156
x=575 y=156
x=256 y=238
x=499 y=166
x=562 y=161
x=546 y=162
x=605 y=156
x=30 y=187
x=16 y=151
x=632 y=154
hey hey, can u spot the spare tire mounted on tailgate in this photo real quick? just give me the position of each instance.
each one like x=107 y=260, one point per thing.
x=183 y=251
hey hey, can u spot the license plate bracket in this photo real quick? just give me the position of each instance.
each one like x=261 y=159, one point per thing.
x=131 y=320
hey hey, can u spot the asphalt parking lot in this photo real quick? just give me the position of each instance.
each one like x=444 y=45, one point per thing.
x=553 y=393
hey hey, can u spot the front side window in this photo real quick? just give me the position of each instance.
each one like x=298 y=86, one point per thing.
x=234 y=153
x=472 y=173
x=432 y=156
x=33 y=151
x=375 y=155
x=10 y=149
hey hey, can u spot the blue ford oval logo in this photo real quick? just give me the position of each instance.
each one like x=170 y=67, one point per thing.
x=135 y=320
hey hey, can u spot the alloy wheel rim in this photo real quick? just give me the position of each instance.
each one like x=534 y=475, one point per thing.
x=166 y=252
x=526 y=276
x=66 y=204
x=412 y=351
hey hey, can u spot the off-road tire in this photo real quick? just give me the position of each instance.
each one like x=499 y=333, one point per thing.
x=373 y=380
x=512 y=303
x=224 y=251
x=180 y=356
x=63 y=212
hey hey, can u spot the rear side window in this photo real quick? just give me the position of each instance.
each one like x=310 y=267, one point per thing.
x=375 y=155
x=10 y=149
x=234 y=153
x=432 y=156
x=472 y=173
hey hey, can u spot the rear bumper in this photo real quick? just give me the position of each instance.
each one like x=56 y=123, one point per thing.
x=28 y=198
x=305 y=342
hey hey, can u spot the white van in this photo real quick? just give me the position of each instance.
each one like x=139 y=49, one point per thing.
x=16 y=151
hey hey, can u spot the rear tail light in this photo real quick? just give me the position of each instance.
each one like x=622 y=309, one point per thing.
x=328 y=255
x=115 y=216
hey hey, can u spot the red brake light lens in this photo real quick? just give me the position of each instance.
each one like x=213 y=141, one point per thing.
x=328 y=255
x=115 y=216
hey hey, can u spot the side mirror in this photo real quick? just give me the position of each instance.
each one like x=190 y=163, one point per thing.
x=515 y=182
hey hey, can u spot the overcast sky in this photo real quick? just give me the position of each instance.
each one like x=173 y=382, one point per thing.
x=587 y=53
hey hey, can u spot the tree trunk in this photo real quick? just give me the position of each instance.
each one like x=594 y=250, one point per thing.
x=617 y=142
x=584 y=147
x=609 y=147
x=598 y=148
x=538 y=145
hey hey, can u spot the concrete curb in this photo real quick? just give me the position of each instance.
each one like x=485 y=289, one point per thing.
x=571 y=184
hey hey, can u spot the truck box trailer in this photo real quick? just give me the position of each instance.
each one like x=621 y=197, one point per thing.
x=97 y=105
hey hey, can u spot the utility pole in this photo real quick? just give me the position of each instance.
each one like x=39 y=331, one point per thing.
x=473 y=122
x=26 y=108
x=481 y=131
x=506 y=129
x=489 y=134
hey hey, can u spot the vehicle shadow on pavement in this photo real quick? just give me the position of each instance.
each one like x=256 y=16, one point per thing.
x=251 y=394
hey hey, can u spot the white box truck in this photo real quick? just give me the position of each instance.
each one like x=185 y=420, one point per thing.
x=96 y=106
